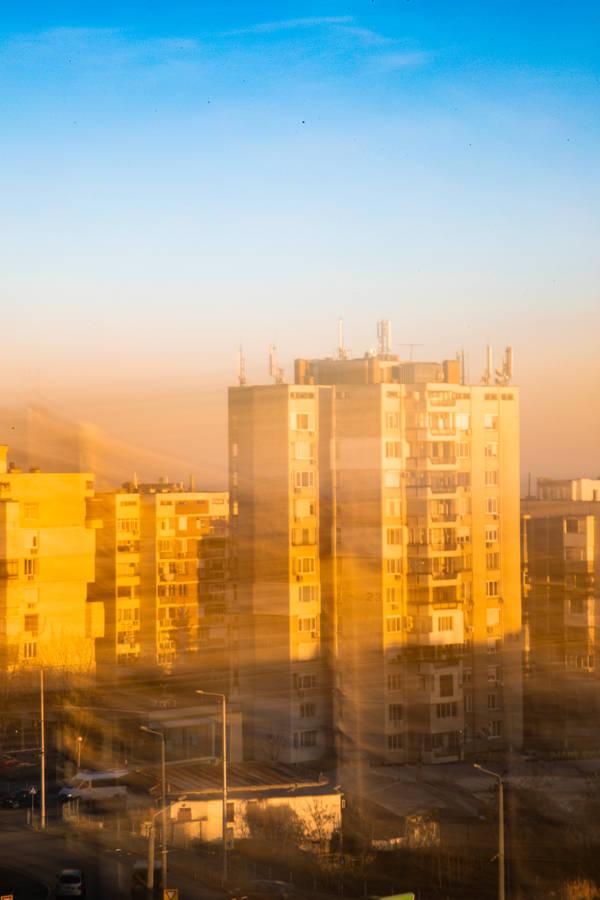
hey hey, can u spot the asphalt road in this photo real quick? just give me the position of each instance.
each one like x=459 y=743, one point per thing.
x=40 y=855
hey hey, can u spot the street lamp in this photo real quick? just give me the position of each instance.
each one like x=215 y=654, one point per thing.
x=79 y=743
x=224 y=753
x=161 y=735
x=500 y=827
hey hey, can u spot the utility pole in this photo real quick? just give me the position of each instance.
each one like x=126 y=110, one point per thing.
x=500 y=828
x=163 y=770
x=224 y=752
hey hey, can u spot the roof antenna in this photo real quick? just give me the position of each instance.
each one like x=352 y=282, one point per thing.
x=274 y=370
x=241 y=366
x=341 y=353
x=384 y=337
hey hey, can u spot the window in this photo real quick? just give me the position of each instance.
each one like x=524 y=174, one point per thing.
x=393 y=449
x=392 y=420
x=395 y=741
x=462 y=421
x=308 y=738
x=394 y=712
x=31 y=510
x=491 y=534
x=307 y=593
x=394 y=507
x=304 y=479
x=304 y=537
x=393 y=595
x=124 y=590
x=468 y=703
x=29 y=650
x=446 y=685
x=305 y=564
x=495 y=729
x=491 y=506
x=393 y=536
x=394 y=682
x=304 y=682
x=491 y=477
x=491 y=589
x=445 y=623
x=30 y=567
x=301 y=421
x=394 y=623
x=492 y=560
x=492 y=701
x=426 y=682
x=463 y=450
x=132 y=525
x=490 y=420
x=308 y=710
x=446 y=710
x=393 y=566
x=307 y=623
x=31 y=623
x=491 y=449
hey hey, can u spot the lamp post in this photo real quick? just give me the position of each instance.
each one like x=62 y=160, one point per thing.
x=224 y=753
x=161 y=735
x=79 y=743
x=42 y=753
x=500 y=828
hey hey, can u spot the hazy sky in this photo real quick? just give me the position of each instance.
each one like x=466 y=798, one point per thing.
x=180 y=177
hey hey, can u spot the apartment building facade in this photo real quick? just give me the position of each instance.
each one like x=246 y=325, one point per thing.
x=561 y=606
x=402 y=492
x=47 y=545
x=161 y=573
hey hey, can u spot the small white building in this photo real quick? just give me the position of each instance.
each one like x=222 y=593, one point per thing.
x=196 y=805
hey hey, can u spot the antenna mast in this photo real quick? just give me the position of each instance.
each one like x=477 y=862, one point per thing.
x=274 y=371
x=241 y=366
x=384 y=337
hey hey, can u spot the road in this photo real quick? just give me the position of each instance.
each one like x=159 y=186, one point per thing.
x=40 y=855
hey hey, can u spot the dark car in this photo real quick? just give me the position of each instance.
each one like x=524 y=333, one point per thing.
x=23 y=798
x=7 y=801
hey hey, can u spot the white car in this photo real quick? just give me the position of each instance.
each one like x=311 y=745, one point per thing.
x=70 y=883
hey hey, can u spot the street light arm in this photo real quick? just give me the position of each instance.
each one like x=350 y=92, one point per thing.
x=487 y=771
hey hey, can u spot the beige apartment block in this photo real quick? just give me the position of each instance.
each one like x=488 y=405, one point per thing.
x=46 y=565
x=161 y=574
x=276 y=579
x=413 y=478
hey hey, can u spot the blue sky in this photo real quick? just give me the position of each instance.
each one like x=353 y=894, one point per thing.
x=196 y=175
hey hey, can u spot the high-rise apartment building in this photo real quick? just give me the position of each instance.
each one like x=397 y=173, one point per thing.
x=46 y=565
x=561 y=572
x=384 y=494
x=161 y=574
x=274 y=442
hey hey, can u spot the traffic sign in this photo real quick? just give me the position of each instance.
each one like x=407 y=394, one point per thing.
x=168 y=894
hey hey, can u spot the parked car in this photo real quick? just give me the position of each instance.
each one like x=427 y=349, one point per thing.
x=23 y=798
x=70 y=883
x=7 y=801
